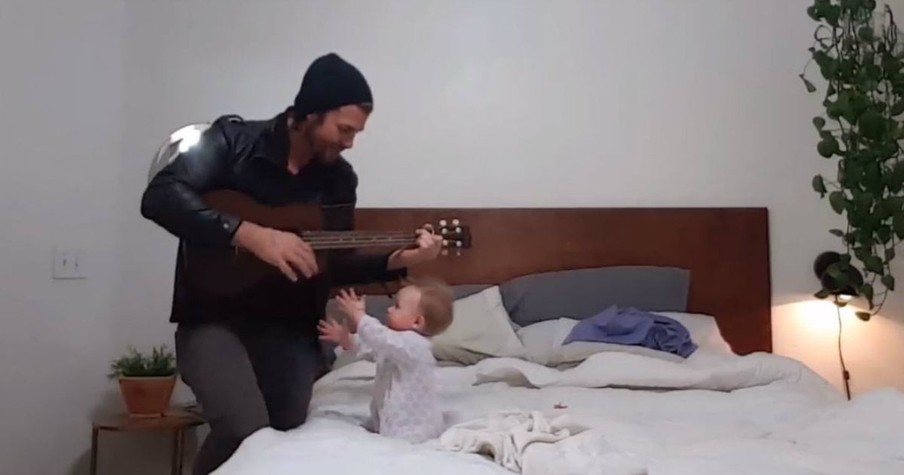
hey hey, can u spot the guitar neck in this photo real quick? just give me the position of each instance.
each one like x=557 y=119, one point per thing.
x=325 y=240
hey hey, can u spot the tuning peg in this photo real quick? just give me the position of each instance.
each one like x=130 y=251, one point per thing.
x=445 y=242
x=443 y=231
x=445 y=252
x=458 y=229
x=455 y=222
x=458 y=253
x=457 y=243
x=442 y=223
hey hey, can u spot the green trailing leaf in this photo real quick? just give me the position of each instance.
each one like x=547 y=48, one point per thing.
x=836 y=199
x=894 y=205
x=819 y=185
x=872 y=124
x=860 y=56
x=898 y=109
x=832 y=14
x=888 y=281
x=873 y=264
x=884 y=233
x=807 y=84
x=861 y=253
x=827 y=147
x=812 y=11
x=898 y=225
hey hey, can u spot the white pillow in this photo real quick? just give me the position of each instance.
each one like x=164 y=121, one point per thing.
x=480 y=328
x=703 y=329
x=543 y=341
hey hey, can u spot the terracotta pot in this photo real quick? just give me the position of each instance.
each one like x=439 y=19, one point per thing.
x=147 y=396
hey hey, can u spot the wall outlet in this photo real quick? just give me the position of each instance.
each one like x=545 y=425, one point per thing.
x=68 y=264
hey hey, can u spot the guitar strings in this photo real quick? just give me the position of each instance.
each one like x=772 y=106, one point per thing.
x=327 y=242
x=350 y=244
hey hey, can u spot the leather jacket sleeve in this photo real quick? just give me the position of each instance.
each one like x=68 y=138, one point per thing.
x=173 y=197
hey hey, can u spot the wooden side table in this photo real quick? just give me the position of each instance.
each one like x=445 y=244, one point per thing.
x=175 y=421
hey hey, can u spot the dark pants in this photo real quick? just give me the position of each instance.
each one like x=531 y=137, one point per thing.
x=245 y=378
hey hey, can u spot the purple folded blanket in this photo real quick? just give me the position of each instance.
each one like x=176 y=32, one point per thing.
x=628 y=326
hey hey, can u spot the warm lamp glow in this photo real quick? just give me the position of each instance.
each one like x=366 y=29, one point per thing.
x=815 y=318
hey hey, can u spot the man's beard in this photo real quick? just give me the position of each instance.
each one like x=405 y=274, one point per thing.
x=322 y=152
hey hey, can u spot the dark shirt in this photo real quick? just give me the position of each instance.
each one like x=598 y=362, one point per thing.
x=251 y=157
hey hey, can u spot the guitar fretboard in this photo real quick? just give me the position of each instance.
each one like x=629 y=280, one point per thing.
x=321 y=240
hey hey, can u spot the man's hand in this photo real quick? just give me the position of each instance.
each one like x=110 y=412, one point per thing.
x=352 y=305
x=283 y=250
x=331 y=330
x=428 y=248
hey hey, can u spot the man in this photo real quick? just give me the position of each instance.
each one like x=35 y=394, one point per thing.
x=251 y=360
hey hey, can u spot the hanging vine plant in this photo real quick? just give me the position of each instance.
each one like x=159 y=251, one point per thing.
x=859 y=56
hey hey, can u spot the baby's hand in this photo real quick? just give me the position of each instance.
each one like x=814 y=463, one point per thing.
x=352 y=305
x=331 y=330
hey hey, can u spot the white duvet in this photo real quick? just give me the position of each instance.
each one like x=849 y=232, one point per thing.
x=625 y=414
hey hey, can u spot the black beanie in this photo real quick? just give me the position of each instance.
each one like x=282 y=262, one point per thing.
x=329 y=83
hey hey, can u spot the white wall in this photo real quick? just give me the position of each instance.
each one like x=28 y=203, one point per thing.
x=60 y=130
x=521 y=103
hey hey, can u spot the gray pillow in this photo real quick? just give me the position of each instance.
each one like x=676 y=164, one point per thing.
x=582 y=293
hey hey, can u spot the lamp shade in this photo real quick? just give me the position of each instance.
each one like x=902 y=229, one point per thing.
x=832 y=285
x=178 y=142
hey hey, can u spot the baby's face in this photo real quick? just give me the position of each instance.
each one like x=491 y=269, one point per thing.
x=405 y=315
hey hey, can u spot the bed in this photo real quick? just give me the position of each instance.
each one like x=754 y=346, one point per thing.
x=519 y=401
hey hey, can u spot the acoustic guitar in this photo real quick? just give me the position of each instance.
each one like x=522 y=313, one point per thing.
x=223 y=271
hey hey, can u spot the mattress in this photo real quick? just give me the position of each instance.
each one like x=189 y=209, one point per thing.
x=711 y=414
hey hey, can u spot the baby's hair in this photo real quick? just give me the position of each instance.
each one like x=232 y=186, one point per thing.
x=436 y=304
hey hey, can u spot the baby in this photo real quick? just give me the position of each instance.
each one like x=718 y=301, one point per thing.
x=405 y=402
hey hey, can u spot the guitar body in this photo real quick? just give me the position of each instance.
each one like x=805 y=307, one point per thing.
x=224 y=271
x=297 y=217
x=227 y=271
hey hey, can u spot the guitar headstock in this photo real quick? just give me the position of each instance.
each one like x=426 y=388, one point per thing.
x=456 y=235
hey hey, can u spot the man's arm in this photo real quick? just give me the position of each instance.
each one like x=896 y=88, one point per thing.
x=172 y=199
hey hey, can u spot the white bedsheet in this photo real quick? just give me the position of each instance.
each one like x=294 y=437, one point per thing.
x=712 y=414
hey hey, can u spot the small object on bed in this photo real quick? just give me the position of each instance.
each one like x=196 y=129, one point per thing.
x=559 y=405
x=629 y=326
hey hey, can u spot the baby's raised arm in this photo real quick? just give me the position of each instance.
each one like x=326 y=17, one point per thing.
x=386 y=342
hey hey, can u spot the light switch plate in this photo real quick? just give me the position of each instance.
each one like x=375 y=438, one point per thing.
x=68 y=264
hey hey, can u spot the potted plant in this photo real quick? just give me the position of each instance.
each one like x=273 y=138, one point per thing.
x=146 y=382
x=860 y=57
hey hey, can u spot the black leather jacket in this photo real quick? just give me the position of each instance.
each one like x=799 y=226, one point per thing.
x=250 y=157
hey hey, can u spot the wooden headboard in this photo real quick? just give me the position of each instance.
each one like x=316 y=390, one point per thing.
x=725 y=249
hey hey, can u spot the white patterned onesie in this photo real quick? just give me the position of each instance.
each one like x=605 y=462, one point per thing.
x=405 y=404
